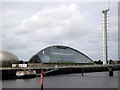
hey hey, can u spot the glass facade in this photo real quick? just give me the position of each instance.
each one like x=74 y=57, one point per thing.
x=55 y=54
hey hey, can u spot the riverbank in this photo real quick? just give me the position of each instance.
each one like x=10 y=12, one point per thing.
x=11 y=73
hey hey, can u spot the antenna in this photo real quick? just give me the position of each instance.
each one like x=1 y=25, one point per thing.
x=109 y=5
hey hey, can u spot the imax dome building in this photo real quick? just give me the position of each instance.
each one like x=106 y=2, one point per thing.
x=56 y=54
x=7 y=58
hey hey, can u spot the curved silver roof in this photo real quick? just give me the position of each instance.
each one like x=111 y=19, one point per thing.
x=7 y=56
x=60 y=53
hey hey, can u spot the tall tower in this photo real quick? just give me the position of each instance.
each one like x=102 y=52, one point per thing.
x=105 y=29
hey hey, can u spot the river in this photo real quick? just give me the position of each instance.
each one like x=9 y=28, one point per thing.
x=89 y=80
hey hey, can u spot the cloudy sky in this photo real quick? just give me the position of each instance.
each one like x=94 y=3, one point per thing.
x=28 y=27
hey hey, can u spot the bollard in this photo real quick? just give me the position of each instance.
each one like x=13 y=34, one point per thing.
x=82 y=71
x=110 y=72
x=41 y=79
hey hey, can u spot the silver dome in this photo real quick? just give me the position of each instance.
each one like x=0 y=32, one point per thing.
x=7 y=56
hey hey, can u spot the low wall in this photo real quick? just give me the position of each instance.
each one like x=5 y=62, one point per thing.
x=80 y=70
x=8 y=74
x=11 y=73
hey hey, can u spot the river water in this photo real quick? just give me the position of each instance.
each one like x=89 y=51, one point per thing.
x=89 y=80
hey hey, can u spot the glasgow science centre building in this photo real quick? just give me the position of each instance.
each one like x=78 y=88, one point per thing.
x=58 y=53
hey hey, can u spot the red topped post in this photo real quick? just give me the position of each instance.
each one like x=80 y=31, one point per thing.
x=41 y=79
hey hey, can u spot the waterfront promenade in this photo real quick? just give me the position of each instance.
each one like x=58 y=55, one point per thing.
x=64 y=66
x=10 y=73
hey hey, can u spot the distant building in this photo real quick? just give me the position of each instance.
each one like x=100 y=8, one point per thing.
x=60 y=54
x=7 y=58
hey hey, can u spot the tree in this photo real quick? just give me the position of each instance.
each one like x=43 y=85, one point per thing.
x=6 y=63
x=20 y=62
x=111 y=62
x=98 y=62
x=118 y=62
x=26 y=62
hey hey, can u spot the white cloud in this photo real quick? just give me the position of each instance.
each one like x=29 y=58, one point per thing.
x=63 y=24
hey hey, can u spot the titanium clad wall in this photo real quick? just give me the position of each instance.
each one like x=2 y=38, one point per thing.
x=7 y=56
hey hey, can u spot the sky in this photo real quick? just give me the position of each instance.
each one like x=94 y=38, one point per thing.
x=28 y=27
